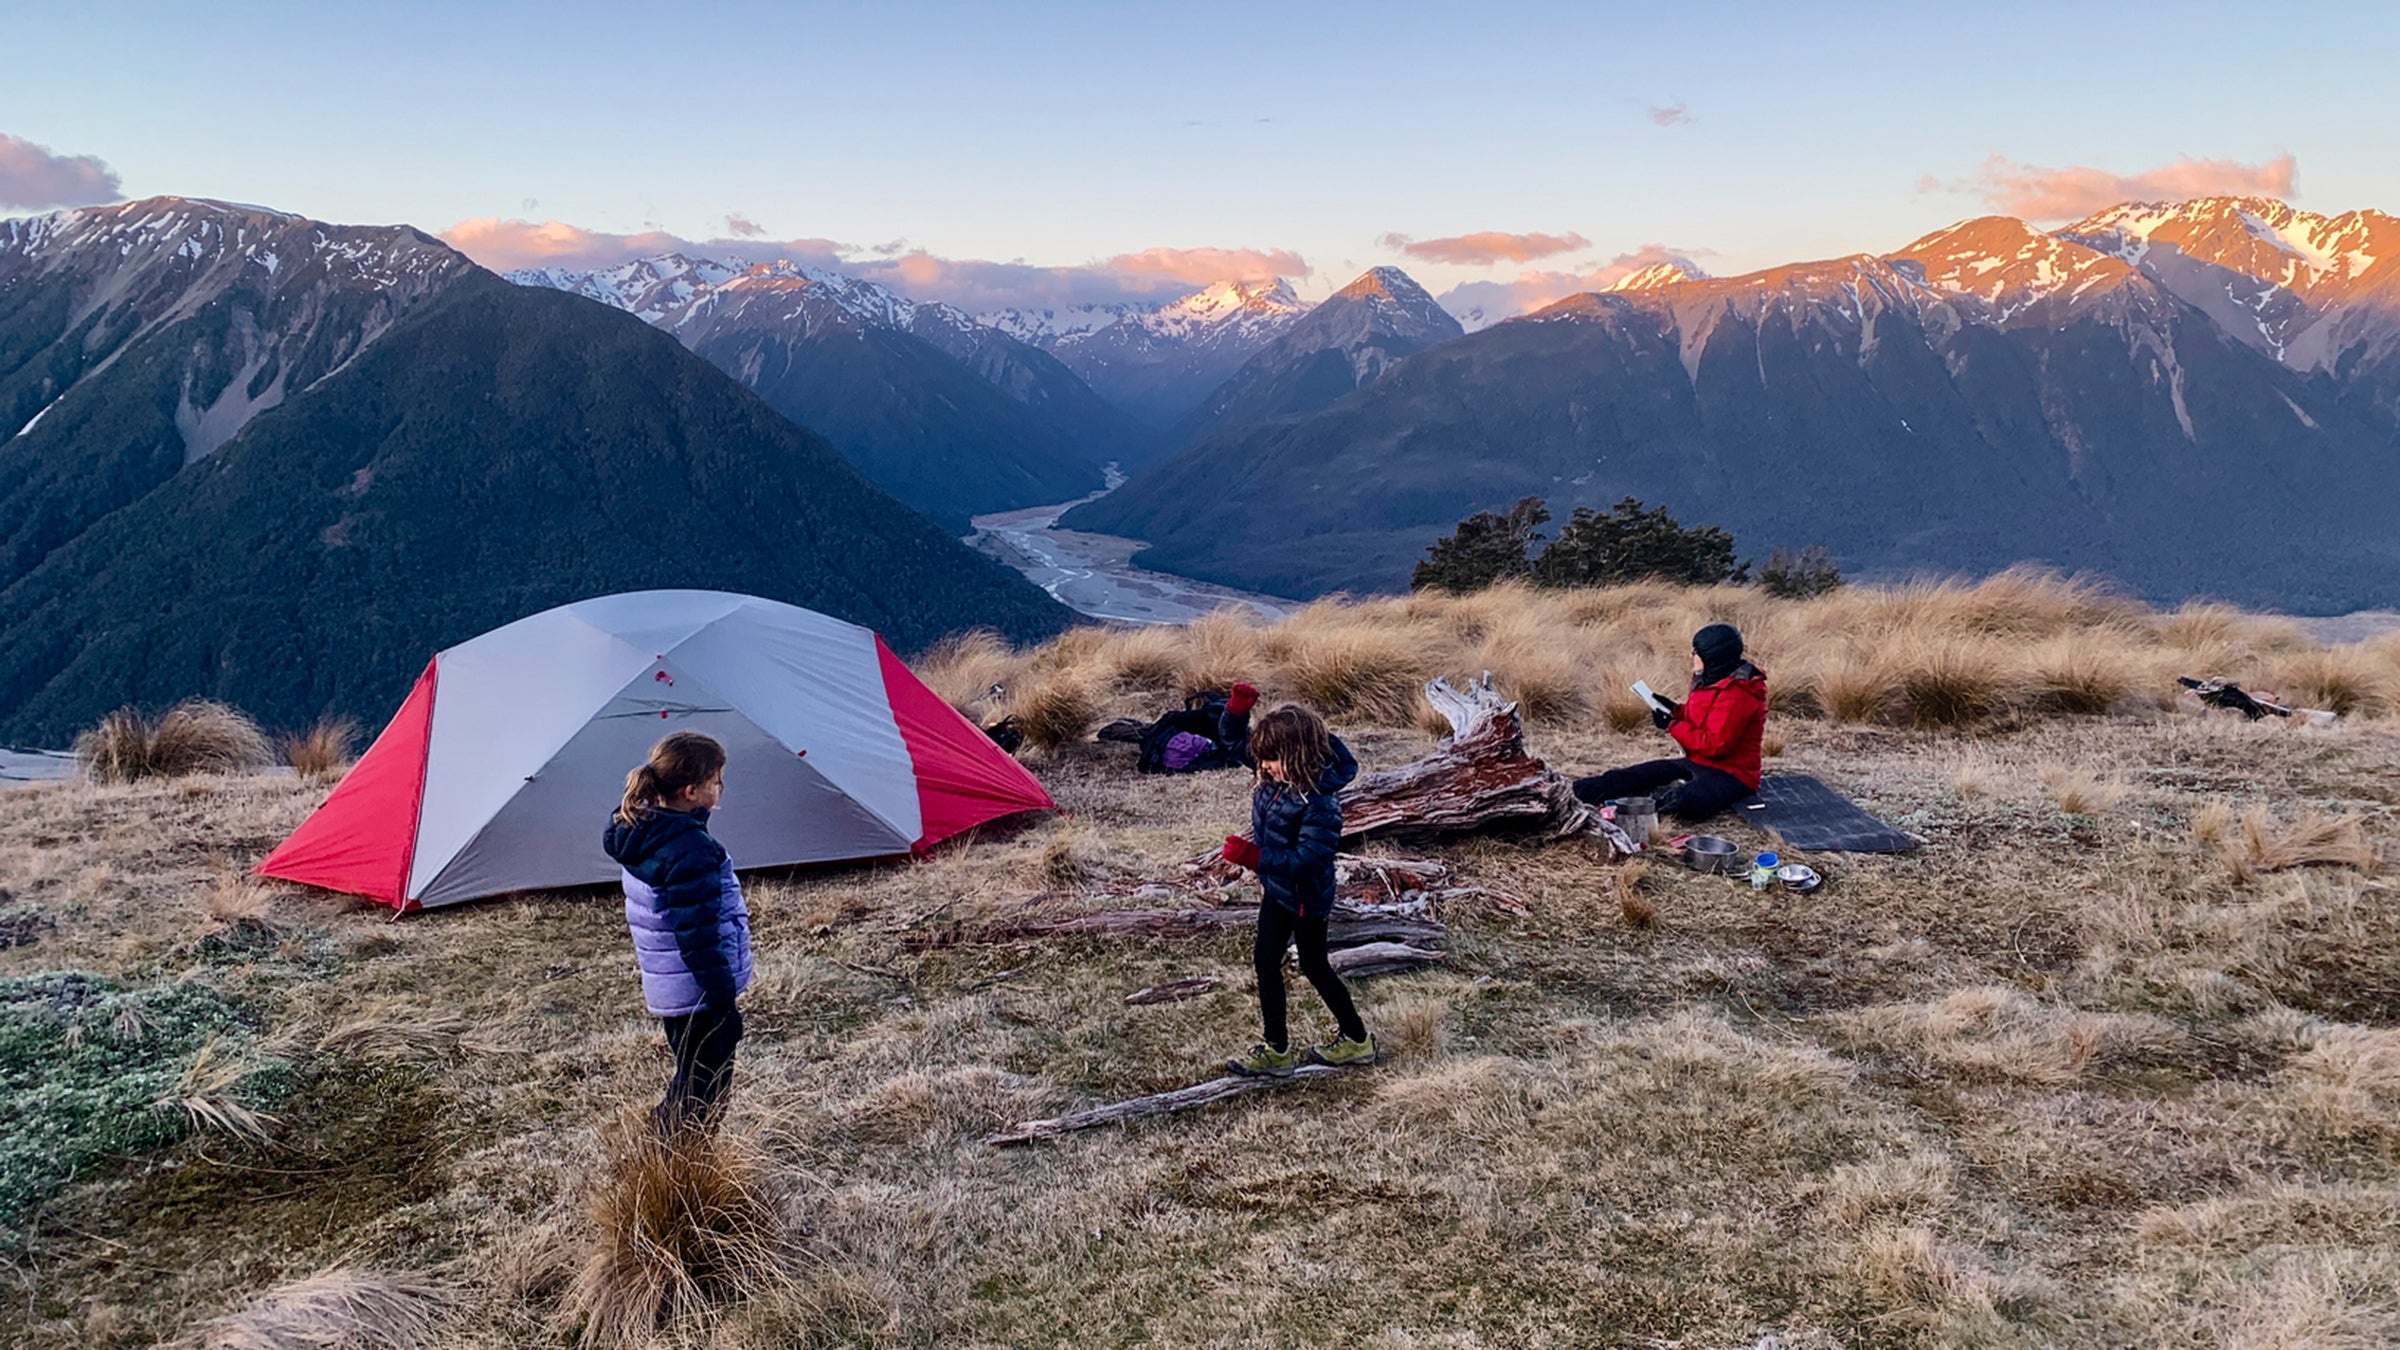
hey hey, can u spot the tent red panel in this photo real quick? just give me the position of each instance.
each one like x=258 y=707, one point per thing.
x=360 y=840
x=963 y=779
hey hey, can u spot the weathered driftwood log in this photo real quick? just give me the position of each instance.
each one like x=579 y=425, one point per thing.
x=1482 y=777
x=1380 y=958
x=1173 y=991
x=1159 y=1104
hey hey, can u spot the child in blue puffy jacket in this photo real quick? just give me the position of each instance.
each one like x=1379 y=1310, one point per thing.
x=691 y=932
x=1295 y=828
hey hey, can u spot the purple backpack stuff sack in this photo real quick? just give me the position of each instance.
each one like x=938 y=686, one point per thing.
x=1182 y=748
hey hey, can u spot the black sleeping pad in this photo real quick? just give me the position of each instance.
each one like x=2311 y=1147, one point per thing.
x=1806 y=814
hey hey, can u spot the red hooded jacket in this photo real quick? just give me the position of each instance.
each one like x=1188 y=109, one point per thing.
x=1720 y=724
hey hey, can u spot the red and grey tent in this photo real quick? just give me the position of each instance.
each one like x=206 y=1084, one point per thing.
x=501 y=767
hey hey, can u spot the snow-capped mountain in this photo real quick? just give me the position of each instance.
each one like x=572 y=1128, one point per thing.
x=1159 y=362
x=950 y=415
x=1658 y=274
x=2195 y=399
x=2316 y=292
x=1346 y=343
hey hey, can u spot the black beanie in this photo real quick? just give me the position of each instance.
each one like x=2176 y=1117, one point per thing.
x=1719 y=645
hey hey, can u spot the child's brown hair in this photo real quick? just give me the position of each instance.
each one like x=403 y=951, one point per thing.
x=683 y=760
x=1297 y=739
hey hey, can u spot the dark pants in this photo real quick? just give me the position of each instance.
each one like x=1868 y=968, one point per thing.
x=1278 y=929
x=1689 y=792
x=702 y=1044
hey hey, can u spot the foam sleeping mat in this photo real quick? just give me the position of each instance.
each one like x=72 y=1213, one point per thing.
x=1806 y=814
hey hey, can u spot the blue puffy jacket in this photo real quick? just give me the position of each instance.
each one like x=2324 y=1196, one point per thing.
x=691 y=932
x=1297 y=834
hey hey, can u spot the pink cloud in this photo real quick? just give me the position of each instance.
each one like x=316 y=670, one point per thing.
x=2037 y=193
x=34 y=176
x=742 y=227
x=1148 y=276
x=1145 y=276
x=1671 y=114
x=1480 y=303
x=505 y=245
x=1485 y=247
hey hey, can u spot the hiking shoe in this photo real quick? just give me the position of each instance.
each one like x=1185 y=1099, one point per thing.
x=1343 y=1053
x=1264 y=1061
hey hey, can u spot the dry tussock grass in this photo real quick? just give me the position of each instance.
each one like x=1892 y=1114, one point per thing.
x=338 y=1307
x=2021 y=645
x=678 y=1228
x=2026 y=1086
x=2253 y=841
x=2081 y=790
x=2000 y=1032
x=195 y=736
x=322 y=754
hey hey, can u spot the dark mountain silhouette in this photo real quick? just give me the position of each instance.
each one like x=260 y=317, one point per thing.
x=949 y=415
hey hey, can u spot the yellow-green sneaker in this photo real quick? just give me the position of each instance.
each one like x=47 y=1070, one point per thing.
x=1265 y=1061
x=1343 y=1053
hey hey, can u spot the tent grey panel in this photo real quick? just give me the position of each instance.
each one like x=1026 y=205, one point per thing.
x=778 y=809
x=816 y=684
x=502 y=706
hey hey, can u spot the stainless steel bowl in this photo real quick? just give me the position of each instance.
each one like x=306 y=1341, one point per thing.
x=1708 y=853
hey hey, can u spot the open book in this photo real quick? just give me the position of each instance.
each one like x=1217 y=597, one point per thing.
x=1646 y=694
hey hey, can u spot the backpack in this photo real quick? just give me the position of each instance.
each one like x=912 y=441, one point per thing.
x=1196 y=720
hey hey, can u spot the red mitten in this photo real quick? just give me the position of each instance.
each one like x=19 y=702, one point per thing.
x=1241 y=852
x=1243 y=699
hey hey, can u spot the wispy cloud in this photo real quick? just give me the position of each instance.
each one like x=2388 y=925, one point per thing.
x=1485 y=247
x=1671 y=114
x=1147 y=275
x=36 y=176
x=1480 y=303
x=742 y=227
x=2038 y=193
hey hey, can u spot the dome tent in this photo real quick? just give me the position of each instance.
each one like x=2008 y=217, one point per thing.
x=503 y=763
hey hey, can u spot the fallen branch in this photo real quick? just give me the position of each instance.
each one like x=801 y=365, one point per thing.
x=1172 y=992
x=1158 y=1104
x=1380 y=958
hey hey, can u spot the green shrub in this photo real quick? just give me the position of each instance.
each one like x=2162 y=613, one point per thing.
x=1486 y=549
x=1630 y=543
x=90 y=1070
x=1799 y=576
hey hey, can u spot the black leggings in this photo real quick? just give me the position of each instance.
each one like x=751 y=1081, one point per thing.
x=1691 y=792
x=702 y=1044
x=1277 y=929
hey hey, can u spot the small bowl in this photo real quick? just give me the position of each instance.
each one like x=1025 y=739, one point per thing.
x=1798 y=877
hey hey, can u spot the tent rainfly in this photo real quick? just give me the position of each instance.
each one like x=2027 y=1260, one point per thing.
x=501 y=767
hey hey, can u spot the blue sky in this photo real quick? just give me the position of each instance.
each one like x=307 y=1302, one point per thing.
x=1066 y=135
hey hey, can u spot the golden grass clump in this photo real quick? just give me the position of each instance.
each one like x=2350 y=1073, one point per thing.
x=2255 y=842
x=679 y=1227
x=963 y=668
x=1948 y=683
x=1055 y=710
x=2358 y=680
x=1357 y=671
x=2082 y=791
x=322 y=754
x=195 y=736
x=1150 y=657
x=339 y=1306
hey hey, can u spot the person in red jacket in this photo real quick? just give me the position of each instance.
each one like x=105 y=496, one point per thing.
x=1718 y=726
